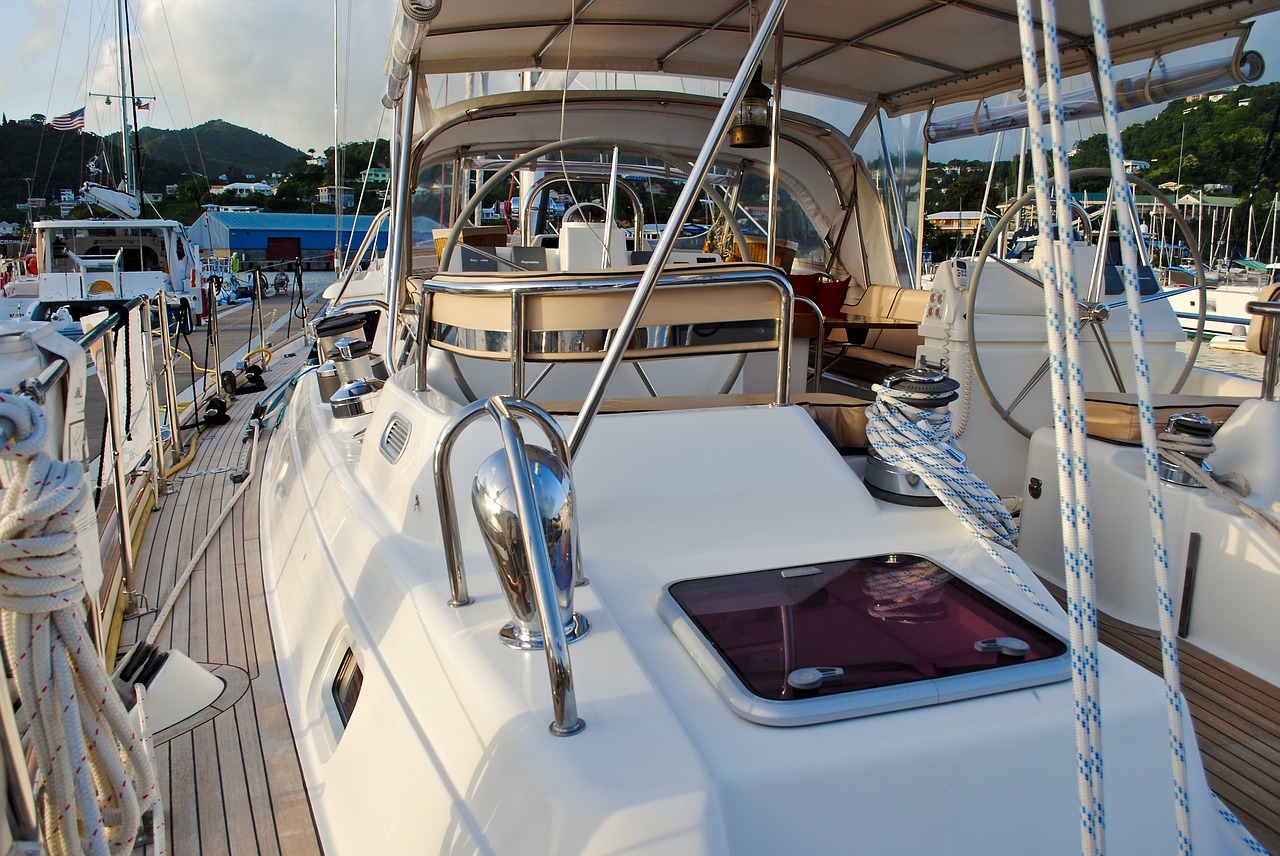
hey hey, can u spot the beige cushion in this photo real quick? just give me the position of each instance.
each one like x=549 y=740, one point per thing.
x=1260 y=326
x=1114 y=415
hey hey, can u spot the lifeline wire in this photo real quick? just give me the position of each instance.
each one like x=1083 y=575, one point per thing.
x=1072 y=465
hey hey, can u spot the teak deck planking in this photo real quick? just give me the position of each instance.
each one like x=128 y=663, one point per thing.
x=229 y=777
x=1237 y=722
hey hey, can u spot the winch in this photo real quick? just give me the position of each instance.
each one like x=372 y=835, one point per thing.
x=1190 y=433
x=929 y=391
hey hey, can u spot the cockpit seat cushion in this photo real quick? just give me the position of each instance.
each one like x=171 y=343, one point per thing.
x=1260 y=325
x=829 y=294
x=842 y=418
x=1114 y=416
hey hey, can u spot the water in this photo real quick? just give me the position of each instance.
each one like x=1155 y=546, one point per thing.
x=1240 y=363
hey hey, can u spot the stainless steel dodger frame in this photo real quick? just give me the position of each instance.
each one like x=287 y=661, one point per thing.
x=520 y=288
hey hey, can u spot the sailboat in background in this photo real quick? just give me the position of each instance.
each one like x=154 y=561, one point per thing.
x=86 y=266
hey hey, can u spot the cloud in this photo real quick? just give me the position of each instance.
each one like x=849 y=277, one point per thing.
x=265 y=65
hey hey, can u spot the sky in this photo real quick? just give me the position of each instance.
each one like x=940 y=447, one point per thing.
x=262 y=64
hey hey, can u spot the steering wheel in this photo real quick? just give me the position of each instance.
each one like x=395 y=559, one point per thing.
x=1094 y=311
x=478 y=197
x=581 y=209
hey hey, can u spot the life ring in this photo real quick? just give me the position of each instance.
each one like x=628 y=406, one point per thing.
x=194 y=284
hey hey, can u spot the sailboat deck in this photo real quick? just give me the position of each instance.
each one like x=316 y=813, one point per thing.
x=229 y=776
x=1237 y=721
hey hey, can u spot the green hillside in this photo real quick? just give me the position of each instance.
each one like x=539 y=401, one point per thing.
x=57 y=161
x=1209 y=140
x=219 y=147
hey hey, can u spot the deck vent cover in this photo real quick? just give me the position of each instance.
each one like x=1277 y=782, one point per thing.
x=395 y=438
x=346 y=686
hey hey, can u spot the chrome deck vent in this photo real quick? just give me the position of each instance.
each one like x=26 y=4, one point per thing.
x=395 y=438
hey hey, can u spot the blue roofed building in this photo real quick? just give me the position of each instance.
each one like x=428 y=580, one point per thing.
x=267 y=238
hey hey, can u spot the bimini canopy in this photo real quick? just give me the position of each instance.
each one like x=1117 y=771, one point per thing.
x=900 y=55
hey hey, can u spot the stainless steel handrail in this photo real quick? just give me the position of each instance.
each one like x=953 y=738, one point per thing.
x=369 y=236
x=158 y=463
x=666 y=243
x=1270 y=368
x=526 y=209
x=518 y=288
x=555 y=642
x=38 y=387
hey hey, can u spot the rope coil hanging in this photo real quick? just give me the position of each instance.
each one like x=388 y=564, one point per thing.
x=98 y=773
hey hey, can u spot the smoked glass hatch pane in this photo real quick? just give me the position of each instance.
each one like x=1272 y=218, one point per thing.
x=882 y=620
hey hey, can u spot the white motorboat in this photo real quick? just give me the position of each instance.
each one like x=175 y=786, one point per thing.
x=564 y=551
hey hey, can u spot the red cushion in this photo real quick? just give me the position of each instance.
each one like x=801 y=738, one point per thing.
x=831 y=295
x=827 y=293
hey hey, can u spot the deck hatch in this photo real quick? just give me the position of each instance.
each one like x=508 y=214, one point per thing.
x=816 y=643
x=395 y=438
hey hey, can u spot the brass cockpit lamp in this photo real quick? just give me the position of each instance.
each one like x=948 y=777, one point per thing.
x=750 y=128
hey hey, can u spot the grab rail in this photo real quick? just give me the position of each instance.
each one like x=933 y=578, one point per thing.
x=555 y=639
x=1270 y=368
x=374 y=228
x=513 y=342
x=38 y=387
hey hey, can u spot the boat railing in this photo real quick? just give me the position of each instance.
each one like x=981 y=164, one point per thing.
x=526 y=318
x=159 y=374
x=1270 y=310
x=354 y=265
x=525 y=550
x=98 y=611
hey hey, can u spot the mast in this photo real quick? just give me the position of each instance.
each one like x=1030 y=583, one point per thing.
x=126 y=100
x=337 y=153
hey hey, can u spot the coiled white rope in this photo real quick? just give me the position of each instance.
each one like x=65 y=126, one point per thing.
x=98 y=774
x=1186 y=452
x=918 y=440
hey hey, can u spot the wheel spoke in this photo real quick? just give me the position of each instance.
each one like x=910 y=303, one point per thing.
x=1026 y=390
x=1104 y=343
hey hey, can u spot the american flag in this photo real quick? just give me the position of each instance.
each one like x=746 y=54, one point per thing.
x=73 y=121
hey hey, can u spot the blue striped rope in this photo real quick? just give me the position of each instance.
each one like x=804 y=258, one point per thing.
x=1130 y=255
x=1062 y=322
x=916 y=439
